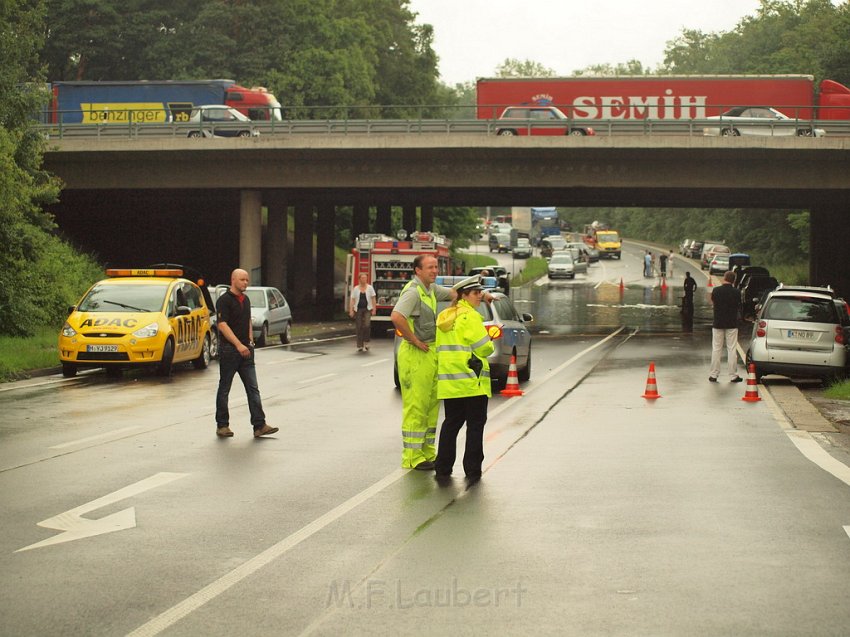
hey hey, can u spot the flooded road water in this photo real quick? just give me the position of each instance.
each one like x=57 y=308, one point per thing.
x=578 y=307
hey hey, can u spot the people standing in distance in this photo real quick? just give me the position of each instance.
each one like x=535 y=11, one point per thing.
x=662 y=262
x=463 y=378
x=236 y=356
x=727 y=308
x=362 y=308
x=670 y=265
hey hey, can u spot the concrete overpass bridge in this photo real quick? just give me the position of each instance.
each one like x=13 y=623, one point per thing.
x=200 y=200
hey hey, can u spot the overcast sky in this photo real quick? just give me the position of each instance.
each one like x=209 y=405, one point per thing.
x=473 y=37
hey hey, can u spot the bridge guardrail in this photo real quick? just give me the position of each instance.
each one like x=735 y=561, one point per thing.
x=611 y=127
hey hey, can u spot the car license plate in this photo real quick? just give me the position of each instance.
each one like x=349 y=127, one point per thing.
x=101 y=348
x=801 y=335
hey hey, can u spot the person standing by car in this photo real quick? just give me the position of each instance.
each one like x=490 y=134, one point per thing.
x=662 y=263
x=670 y=264
x=463 y=378
x=727 y=308
x=647 y=264
x=415 y=318
x=362 y=309
x=236 y=356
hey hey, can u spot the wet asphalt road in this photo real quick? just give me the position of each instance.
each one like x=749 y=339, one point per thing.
x=600 y=512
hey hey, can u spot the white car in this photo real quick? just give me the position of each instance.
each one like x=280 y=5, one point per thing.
x=759 y=120
x=562 y=265
x=799 y=332
x=216 y=120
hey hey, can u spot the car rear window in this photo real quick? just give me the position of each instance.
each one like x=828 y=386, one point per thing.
x=801 y=308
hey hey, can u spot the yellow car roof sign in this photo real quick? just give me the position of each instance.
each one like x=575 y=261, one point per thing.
x=142 y=272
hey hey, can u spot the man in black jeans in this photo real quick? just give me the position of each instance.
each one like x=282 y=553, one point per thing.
x=236 y=356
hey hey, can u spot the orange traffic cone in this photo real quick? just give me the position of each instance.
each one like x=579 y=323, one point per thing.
x=622 y=287
x=752 y=394
x=512 y=384
x=651 y=387
x=710 y=284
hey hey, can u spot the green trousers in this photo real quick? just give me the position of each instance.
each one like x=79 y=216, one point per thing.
x=417 y=374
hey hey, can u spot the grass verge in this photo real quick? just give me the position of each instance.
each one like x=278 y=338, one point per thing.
x=839 y=390
x=471 y=260
x=534 y=268
x=19 y=354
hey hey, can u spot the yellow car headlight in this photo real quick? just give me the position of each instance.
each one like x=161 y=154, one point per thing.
x=147 y=331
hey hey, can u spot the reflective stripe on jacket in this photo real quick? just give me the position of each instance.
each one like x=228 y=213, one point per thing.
x=460 y=335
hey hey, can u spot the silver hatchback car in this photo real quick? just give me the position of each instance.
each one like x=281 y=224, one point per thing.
x=799 y=333
x=271 y=315
x=515 y=339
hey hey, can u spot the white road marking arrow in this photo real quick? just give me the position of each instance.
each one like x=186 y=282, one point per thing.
x=76 y=527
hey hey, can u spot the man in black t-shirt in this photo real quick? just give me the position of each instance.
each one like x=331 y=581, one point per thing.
x=727 y=307
x=236 y=356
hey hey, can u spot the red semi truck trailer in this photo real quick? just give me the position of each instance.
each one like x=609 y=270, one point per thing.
x=676 y=97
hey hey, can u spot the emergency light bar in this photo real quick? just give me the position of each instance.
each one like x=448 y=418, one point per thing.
x=141 y=272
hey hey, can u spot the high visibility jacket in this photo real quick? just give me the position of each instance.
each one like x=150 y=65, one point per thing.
x=460 y=335
x=428 y=302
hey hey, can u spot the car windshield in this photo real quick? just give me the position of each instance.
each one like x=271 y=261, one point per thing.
x=257 y=297
x=522 y=243
x=561 y=258
x=804 y=309
x=124 y=297
x=557 y=244
x=607 y=237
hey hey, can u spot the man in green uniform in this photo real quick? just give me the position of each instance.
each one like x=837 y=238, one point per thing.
x=415 y=318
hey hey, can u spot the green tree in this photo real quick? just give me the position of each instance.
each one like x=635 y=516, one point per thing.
x=39 y=274
x=632 y=67
x=513 y=67
x=784 y=36
x=457 y=223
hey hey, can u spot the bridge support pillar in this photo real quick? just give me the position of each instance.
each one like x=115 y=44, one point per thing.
x=251 y=234
x=303 y=276
x=427 y=214
x=384 y=219
x=360 y=220
x=274 y=262
x=829 y=256
x=408 y=219
x=325 y=218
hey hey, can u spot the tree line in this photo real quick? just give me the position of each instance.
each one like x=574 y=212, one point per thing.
x=313 y=53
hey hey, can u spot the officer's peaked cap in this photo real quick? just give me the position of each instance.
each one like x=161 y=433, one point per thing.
x=468 y=284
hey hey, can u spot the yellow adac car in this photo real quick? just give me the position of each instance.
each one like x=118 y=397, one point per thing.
x=137 y=317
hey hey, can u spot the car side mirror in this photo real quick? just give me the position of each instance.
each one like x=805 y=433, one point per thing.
x=528 y=318
x=183 y=310
x=71 y=309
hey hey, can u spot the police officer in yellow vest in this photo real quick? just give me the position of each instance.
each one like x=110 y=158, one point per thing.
x=463 y=378
x=415 y=317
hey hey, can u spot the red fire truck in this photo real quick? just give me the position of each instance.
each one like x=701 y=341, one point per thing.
x=677 y=97
x=388 y=264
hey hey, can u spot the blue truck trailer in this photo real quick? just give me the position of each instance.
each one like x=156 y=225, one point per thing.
x=153 y=102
